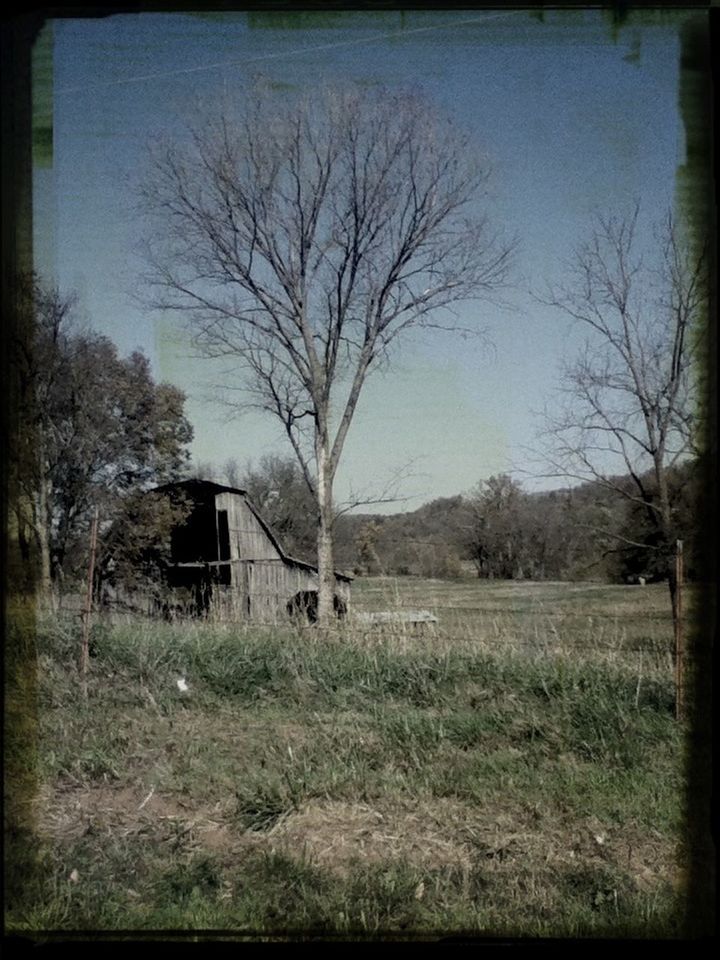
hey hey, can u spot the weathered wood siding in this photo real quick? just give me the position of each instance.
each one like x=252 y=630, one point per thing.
x=262 y=589
x=248 y=540
x=272 y=586
x=262 y=582
x=228 y=565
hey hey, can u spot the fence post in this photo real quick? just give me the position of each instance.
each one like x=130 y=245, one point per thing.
x=679 y=651
x=89 y=597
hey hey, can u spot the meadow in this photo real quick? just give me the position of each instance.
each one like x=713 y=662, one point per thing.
x=517 y=771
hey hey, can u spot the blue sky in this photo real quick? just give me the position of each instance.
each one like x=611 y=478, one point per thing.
x=572 y=119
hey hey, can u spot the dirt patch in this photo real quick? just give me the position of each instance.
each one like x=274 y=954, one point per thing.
x=428 y=834
x=71 y=813
x=647 y=858
x=336 y=835
x=531 y=839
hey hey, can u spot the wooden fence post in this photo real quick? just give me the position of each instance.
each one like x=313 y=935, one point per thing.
x=89 y=597
x=679 y=651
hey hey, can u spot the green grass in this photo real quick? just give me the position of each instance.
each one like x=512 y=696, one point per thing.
x=366 y=783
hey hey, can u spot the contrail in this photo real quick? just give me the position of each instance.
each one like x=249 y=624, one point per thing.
x=275 y=56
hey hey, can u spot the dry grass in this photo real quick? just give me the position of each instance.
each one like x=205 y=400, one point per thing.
x=367 y=784
x=337 y=835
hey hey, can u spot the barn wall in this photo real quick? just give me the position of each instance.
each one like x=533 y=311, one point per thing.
x=262 y=582
x=248 y=540
x=229 y=604
x=262 y=590
x=273 y=585
x=258 y=582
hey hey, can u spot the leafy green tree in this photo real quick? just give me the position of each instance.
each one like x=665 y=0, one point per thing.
x=102 y=429
x=135 y=548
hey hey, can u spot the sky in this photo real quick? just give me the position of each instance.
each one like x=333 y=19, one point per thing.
x=573 y=117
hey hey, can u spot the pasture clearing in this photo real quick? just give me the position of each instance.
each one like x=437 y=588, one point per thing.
x=518 y=772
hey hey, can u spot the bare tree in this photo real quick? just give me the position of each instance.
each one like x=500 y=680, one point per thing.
x=277 y=488
x=204 y=470
x=497 y=532
x=231 y=472
x=629 y=405
x=301 y=239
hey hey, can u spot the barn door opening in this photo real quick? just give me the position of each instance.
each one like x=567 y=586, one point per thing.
x=223 y=530
x=304 y=606
x=223 y=535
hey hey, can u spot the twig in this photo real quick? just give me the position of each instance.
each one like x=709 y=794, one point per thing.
x=637 y=689
x=88 y=602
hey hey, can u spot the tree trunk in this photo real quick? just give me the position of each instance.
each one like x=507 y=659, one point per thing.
x=24 y=530
x=326 y=572
x=669 y=543
x=673 y=587
x=41 y=526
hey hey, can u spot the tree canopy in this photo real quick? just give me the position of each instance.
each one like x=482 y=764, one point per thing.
x=102 y=430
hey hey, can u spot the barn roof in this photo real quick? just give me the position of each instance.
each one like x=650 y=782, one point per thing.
x=197 y=488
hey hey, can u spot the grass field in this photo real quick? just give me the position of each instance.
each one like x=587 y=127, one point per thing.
x=515 y=772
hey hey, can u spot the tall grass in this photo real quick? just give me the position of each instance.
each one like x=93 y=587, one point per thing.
x=360 y=782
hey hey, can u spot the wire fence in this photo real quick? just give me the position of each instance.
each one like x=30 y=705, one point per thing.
x=629 y=628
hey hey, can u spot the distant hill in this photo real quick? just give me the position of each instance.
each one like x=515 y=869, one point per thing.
x=559 y=534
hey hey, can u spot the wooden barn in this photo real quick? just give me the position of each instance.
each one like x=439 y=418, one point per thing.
x=228 y=563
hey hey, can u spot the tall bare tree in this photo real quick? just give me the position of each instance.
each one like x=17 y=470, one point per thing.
x=629 y=405
x=301 y=238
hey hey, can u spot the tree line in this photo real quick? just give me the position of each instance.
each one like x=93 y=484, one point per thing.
x=497 y=530
x=500 y=531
